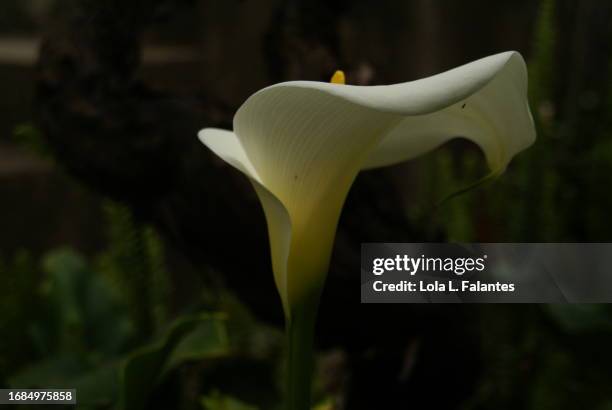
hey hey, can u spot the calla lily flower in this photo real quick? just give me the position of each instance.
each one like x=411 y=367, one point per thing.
x=302 y=143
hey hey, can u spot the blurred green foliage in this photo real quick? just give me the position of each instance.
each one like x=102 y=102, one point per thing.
x=134 y=263
x=189 y=339
x=80 y=329
x=216 y=401
x=101 y=326
x=30 y=138
x=19 y=275
x=536 y=357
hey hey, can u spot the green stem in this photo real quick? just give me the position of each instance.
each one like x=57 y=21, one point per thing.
x=300 y=355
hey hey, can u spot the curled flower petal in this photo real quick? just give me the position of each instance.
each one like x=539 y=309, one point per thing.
x=302 y=144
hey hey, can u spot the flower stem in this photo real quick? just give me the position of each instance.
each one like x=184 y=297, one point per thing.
x=300 y=359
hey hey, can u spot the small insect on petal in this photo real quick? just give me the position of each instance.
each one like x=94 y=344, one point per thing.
x=338 y=77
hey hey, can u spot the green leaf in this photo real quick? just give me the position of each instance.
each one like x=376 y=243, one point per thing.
x=30 y=138
x=193 y=338
x=67 y=277
x=84 y=312
x=217 y=401
x=326 y=404
x=208 y=340
x=98 y=387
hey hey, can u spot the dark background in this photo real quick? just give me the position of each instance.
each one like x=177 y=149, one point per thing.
x=118 y=228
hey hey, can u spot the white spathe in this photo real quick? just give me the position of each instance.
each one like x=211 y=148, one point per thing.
x=302 y=143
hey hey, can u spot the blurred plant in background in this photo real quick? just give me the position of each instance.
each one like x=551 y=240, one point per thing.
x=76 y=326
x=103 y=326
x=134 y=262
x=541 y=356
x=90 y=326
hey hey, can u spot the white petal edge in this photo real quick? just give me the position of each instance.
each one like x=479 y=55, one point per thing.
x=228 y=147
x=484 y=101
